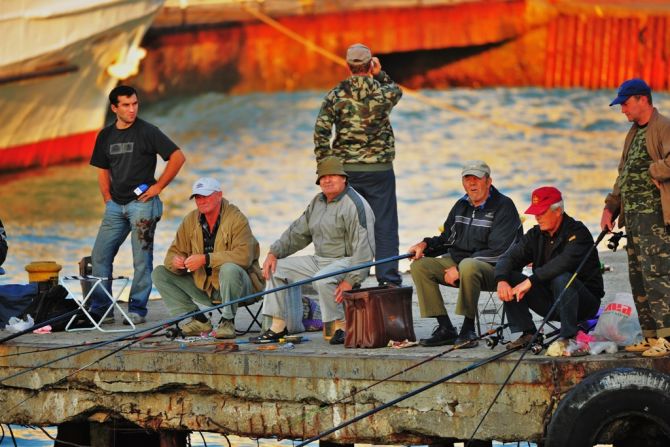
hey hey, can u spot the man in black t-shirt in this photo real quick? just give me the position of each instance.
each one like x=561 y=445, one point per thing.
x=125 y=155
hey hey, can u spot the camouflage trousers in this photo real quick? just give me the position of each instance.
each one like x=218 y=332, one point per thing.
x=648 y=250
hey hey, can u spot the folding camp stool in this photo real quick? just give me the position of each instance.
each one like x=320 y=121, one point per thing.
x=492 y=313
x=254 y=314
x=82 y=300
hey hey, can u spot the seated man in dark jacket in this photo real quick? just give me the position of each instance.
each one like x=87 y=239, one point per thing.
x=481 y=226
x=555 y=247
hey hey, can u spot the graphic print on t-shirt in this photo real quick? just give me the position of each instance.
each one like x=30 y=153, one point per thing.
x=121 y=148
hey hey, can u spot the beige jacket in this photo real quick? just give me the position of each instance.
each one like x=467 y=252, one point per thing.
x=234 y=243
x=658 y=146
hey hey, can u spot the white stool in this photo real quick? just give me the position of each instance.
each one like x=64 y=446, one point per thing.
x=81 y=301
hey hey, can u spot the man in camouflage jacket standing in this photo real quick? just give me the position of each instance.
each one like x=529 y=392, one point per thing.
x=359 y=107
x=641 y=199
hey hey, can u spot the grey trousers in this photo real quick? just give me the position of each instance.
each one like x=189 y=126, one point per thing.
x=180 y=293
x=428 y=274
x=296 y=268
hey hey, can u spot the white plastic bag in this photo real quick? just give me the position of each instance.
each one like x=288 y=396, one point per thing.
x=618 y=321
x=18 y=325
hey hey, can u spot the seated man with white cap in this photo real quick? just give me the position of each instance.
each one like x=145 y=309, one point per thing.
x=213 y=258
x=555 y=246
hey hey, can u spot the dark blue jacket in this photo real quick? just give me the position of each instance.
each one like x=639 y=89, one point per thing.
x=485 y=232
x=573 y=243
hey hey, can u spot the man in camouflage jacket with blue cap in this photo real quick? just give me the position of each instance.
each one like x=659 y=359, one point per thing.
x=641 y=200
x=359 y=107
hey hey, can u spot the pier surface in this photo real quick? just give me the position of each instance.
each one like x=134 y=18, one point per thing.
x=161 y=385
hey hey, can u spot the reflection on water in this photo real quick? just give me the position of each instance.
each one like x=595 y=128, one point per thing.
x=260 y=147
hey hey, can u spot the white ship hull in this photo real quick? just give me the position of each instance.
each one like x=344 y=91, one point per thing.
x=55 y=73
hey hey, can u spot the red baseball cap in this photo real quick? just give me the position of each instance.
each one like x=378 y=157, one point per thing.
x=542 y=198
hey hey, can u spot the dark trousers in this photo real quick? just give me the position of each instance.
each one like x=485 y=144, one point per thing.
x=577 y=304
x=378 y=188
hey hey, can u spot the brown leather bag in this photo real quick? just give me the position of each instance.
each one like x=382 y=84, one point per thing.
x=376 y=315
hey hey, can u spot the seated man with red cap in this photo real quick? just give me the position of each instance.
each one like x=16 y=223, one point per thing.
x=555 y=247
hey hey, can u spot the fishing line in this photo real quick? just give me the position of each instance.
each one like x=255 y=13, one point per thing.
x=489 y=333
x=167 y=323
x=462 y=371
x=535 y=336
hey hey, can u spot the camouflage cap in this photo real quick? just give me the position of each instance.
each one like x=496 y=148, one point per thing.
x=329 y=166
x=358 y=54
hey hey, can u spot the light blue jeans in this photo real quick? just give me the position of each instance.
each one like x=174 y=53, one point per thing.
x=138 y=219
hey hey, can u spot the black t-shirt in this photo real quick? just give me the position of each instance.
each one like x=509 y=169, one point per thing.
x=130 y=156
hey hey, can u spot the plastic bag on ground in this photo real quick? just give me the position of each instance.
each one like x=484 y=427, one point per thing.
x=619 y=322
x=17 y=325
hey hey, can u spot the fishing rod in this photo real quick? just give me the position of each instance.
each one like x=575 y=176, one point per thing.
x=76 y=345
x=169 y=322
x=413 y=393
x=490 y=333
x=544 y=322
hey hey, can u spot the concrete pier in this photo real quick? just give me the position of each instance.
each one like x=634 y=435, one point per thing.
x=164 y=385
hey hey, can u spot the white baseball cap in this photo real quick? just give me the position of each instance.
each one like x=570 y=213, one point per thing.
x=205 y=186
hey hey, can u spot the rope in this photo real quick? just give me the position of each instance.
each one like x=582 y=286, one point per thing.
x=433 y=102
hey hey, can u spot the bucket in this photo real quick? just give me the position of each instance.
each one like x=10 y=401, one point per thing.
x=43 y=271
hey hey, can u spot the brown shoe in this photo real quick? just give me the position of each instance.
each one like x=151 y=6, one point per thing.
x=520 y=342
x=642 y=346
x=661 y=348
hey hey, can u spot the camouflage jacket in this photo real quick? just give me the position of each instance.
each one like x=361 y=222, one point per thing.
x=658 y=146
x=359 y=108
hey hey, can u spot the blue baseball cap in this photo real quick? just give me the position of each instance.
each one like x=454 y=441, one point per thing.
x=630 y=88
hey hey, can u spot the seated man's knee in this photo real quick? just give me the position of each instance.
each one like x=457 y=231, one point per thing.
x=229 y=269
x=160 y=273
x=560 y=281
x=468 y=267
x=420 y=266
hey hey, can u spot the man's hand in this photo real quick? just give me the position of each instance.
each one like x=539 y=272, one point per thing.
x=153 y=191
x=375 y=66
x=505 y=291
x=342 y=287
x=656 y=182
x=417 y=249
x=178 y=263
x=451 y=276
x=520 y=289
x=194 y=262
x=269 y=266
x=606 y=220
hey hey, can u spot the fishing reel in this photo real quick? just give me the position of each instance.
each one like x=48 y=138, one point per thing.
x=173 y=332
x=613 y=242
x=496 y=338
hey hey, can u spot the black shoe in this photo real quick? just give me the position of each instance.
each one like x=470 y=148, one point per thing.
x=337 y=338
x=83 y=322
x=269 y=336
x=441 y=336
x=467 y=339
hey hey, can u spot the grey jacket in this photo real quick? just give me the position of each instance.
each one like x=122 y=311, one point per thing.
x=343 y=228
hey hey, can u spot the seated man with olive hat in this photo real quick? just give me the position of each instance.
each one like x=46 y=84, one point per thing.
x=340 y=224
